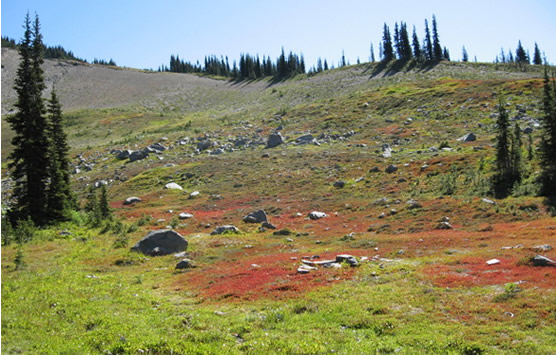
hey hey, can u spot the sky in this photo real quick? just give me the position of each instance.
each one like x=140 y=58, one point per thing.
x=143 y=34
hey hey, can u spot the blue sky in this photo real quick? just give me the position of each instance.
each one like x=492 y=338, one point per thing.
x=143 y=34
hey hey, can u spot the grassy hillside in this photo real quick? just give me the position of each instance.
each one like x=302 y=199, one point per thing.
x=418 y=288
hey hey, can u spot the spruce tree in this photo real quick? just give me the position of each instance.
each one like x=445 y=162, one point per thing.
x=464 y=55
x=60 y=199
x=427 y=46
x=437 y=49
x=103 y=205
x=515 y=156
x=372 y=57
x=502 y=161
x=387 y=47
x=537 y=58
x=521 y=56
x=548 y=138
x=417 y=53
x=29 y=159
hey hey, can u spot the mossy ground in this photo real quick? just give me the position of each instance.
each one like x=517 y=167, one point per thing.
x=429 y=291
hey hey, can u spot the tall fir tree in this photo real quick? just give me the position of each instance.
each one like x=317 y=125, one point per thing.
x=427 y=45
x=537 y=58
x=29 y=159
x=502 y=167
x=521 y=56
x=464 y=55
x=372 y=57
x=387 y=47
x=437 y=48
x=417 y=52
x=515 y=156
x=60 y=198
x=548 y=138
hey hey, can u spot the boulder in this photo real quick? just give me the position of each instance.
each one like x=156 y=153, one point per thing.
x=274 y=140
x=184 y=264
x=255 y=217
x=305 y=139
x=173 y=186
x=124 y=154
x=157 y=147
x=350 y=259
x=317 y=215
x=539 y=260
x=469 y=137
x=391 y=168
x=444 y=225
x=225 y=229
x=161 y=242
x=185 y=215
x=138 y=155
x=131 y=200
x=412 y=204
x=268 y=225
x=204 y=145
x=340 y=184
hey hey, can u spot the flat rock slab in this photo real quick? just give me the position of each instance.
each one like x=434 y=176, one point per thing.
x=225 y=229
x=161 y=242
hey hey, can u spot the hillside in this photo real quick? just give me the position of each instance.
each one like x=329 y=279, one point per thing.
x=377 y=151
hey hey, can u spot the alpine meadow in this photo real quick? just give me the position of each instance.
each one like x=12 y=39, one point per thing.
x=257 y=205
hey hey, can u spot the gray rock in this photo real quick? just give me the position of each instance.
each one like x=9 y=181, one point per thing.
x=204 y=145
x=124 y=154
x=469 y=137
x=268 y=225
x=528 y=130
x=391 y=168
x=340 y=184
x=274 y=140
x=306 y=139
x=317 y=215
x=184 y=264
x=386 y=151
x=138 y=155
x=157 y=147
x=376 y=169
x=161 y=242
x=185 y=215
x=540 y=260
x=225 y=229
x=172 y=186
x=542 y=248
x=444 y=225
x=412 y=204
x=490 y=202
x=130 y=200
x=350 y=259
x=255 y=217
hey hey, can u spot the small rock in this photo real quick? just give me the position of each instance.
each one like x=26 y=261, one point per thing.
x=194 y=194
x=184 y=264
x=274 y=140
x=542 y=248
x=185 y=215
x=391 y=168
x=444 y=225
x=268 y=225
x=130 y=200
x=539 y=260
x=173 y=186
x=469 y=137
x=350 y=259
x=376 y=169
x=317 y=215
x=490 y=202
x=339 y=184
x=493 y=262
x=412 y=204
x=255 y=217
x=225 y=229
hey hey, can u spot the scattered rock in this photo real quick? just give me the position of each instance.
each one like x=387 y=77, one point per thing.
x=124 y=154
x=255 y=217
x=194 y=194
x=138 y=155
x=412 y=204
x=376 y=169
x=317 y=215
x=444 y=225
x=305 y=139
x=173 y=186
x=225 y=229
x=490 y=202
x=185 y=215
x=391 y=168
x=274 y=140
x=386 y=151
x=539 y=260
x=268 y=225
x=184 y=264
x=283 y=232
x=157 y=147
x=340 y=184
x=350 y=259
x=493 y=262
x=469 y=137
x=131 y=200
x=161 y=242
x=542 y=248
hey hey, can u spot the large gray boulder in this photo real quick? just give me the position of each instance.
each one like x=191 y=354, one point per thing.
x=255 y=217
x=138 y=155
x=161 y=242
x=469 y=137
x=124 y=154
x=274 y=140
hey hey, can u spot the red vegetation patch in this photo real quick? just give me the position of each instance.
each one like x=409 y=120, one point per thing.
x=474 y=271
x=273 y=276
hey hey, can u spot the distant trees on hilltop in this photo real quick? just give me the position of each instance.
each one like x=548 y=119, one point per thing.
x=54 y=52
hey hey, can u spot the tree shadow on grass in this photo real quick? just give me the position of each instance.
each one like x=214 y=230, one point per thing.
x=394 y=67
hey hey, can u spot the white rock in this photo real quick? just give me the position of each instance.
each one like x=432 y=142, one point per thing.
x=185 y=215
x=317 y=215
x=173 y=186
x=493 y=262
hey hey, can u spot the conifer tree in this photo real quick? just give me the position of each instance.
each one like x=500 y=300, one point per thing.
x=60 y=199
x=427 y=45
x=515 y=156
x=464 y=55
x=548 y=141
x=387 y=48
x=502 y=170
x=372 y=57
x=417 y=53
x=521 y=56
x=437 y=49
x=104 y=207
x=405 y=45
x=29 y=159
x=537 y=59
